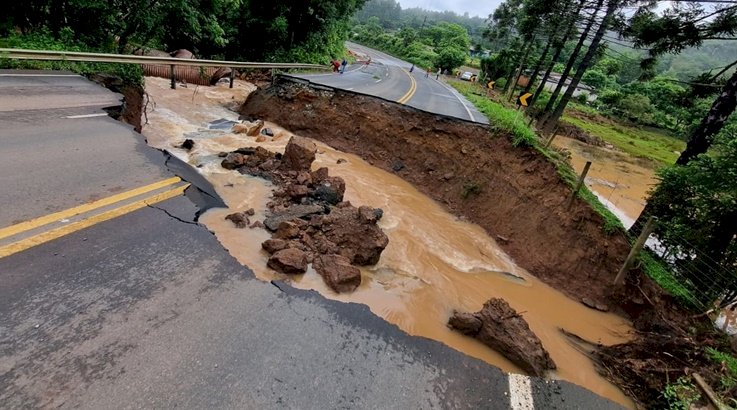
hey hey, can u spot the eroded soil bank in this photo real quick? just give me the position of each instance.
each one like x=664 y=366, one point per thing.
x=514 y=193
x=435 y=262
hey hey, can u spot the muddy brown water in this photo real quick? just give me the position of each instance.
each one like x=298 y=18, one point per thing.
x=434 y=263
x=620 y=183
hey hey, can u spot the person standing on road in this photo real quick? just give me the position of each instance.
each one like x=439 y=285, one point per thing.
x=437 y=75
x=427 y=73
x=412 y=68
x=342 y=65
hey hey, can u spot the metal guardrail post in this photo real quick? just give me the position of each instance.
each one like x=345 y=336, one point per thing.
x=173 y=79
x=232 y=76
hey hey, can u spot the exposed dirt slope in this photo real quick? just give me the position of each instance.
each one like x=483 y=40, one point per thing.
x=513 y=193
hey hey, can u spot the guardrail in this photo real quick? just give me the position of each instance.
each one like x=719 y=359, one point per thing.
x=21 y=54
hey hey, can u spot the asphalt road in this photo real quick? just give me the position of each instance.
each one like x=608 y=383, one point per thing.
x=389 y=77
x=147 y=310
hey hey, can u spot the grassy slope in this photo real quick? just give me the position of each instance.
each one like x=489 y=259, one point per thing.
x=634 y=141
x=513 y=121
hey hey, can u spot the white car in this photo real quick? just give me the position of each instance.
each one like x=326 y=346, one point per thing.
x=467 y=76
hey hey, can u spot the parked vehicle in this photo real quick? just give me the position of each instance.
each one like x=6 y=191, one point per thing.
x=467 y=76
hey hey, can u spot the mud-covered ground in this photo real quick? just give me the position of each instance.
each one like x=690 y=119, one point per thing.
x=516 y=195
x=513 y=193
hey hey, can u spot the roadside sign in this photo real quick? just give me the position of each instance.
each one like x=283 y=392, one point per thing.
x=522 y=100
x=490 y=84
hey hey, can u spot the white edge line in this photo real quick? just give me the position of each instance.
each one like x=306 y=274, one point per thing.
x=458 y=96
x=100 y=114
x=520 y=392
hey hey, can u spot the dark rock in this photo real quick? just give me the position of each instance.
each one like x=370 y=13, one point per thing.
x=397 y=166
x=290 y=260
x=188 y=144
x=466 y=323
x=337 y=272
x=274 y=245
x=298 y=155
x=293 y=212
x=250 y=212
x=240 y=219
x=267 y=132
x=505 y=331
x=233 y=161
x=287 y=230
x=222 y=154
x=589 y=303
x=330 y=190
x=369 y=215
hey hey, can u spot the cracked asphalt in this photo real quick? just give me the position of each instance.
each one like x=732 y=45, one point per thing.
x=147 y=310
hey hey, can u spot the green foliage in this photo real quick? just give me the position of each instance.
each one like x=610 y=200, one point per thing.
x=663 y=275
x=43 y=40
x=681 y=394
x=498 y=65
x=729 y=380
x=637 y=142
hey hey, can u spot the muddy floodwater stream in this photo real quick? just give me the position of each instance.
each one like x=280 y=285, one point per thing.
x=434 y=263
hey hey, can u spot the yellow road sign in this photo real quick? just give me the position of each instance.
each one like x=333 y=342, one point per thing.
x=522 y=100
x=490 y=84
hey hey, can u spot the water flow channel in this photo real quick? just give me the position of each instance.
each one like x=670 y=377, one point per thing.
x=435 y=262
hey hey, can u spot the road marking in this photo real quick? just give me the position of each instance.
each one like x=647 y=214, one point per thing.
x=39 y=75
x=520 y=392
x=85 y=223
x=412 y=88
x=47 y=219
x=100 y=114
x=458 y=96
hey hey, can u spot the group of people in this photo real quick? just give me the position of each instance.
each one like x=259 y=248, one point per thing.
x=339 y=66
x=427 y=73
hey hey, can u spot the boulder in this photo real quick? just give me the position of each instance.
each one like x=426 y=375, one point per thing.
x=188 y=144
x=287 y=230
x=274 y=245
x=293 y=212
x=319 y=175
x=233 y=161
x=297 y=192
x=498 y=326
x=290 y=261
x=330 y=190
x=298 y=155
x=344 y=231
x=337 y=272
x=251 y=129
x=240 y=219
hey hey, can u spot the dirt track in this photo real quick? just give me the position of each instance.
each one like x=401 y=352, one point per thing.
x=515 y=194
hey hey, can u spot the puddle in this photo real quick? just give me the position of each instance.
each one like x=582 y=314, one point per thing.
x=434 y=262
x=621 y=185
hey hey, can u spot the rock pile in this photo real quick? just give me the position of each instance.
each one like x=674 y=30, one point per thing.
x=309 y=221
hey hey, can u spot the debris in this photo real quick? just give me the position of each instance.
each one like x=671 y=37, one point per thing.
x=188 y=144
x=240 y=219
x=274 y=245
x=337 y=272
x=290 y=261
x=298 y=155
x=498 y=326
x=267 y=132
x=293 y=212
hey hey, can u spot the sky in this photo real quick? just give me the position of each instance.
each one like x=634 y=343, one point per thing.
x=480 y=8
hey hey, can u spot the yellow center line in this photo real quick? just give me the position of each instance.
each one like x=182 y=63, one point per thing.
x=47 y=219
x=76 y=226
x=412 y=88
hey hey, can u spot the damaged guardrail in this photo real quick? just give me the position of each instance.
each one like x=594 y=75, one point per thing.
x=21 y=54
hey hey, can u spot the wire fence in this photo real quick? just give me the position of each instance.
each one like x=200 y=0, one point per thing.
x=698 y=279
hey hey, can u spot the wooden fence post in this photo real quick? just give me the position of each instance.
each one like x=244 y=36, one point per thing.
x=580 y=181
x=649 y=226
x=173 y=79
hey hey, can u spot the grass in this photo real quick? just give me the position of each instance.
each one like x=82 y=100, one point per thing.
x=730 y=362
x=637 y=142
x=664 y=277
x=514 y=122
